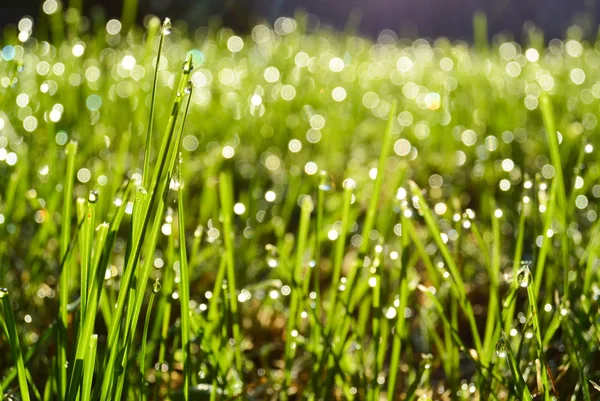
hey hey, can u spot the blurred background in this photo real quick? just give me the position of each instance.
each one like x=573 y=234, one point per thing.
x=409 y=18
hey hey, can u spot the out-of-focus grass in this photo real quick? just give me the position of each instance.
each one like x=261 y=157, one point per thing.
x=325 y=177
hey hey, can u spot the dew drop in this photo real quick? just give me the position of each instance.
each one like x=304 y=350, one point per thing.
x=3 y=292
x=167 y=27
x=141 y=194
x=187 y=66
x=272 y=256
x=325 y=182
x=157 y=286
x=349 y=184
x=93 y=197
x=524 y=277
x=188 y=88
x=427 y=361
x=501 y=348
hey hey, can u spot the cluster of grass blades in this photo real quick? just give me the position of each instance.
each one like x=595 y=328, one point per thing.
x=295 y=214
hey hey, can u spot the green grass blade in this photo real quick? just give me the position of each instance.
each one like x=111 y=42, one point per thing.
x=184 y=297
x=88 y=369
x=144 y=390
x=65 y=240
x=15 y=345
x=146 y=174
x=226 y=195
x=292 y=330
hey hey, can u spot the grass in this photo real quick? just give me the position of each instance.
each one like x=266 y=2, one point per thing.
x=295 y=213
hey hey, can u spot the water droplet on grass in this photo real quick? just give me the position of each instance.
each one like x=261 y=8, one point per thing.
x=349 y=184
x=93 y=197
x=272 y=256
x=141 y=194
x=3 y=292
x=188 y=88
x=524 y=277
x=501 y=348
x=157 y=286
x=325 y=182
x=167 y=27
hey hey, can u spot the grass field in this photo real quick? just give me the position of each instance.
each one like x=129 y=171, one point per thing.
x=296 y=213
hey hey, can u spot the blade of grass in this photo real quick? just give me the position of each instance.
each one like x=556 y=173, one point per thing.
x=15 y=345
x=184 y=296
x=65 y=239
x=144 y=390
x=88 y=368
x=226 y=195
x=297 y=294
x=524 y=279
x=148 y=149
x=375 y=283
x=88 y=318
x=402 y=295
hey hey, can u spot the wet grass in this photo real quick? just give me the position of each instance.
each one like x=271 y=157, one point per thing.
x=295 y=214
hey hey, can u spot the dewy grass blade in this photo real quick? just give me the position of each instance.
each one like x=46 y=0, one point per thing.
x=540 y=265
x=386 y=148
x=88 y=368
x=402 y=297
x=552 y=135
x=517 y=257
x=524 y=280
x=85 y=246
x=146 y=171
x=184 y=295
x=143 y=388
x=292 y=331
x=494 y=318
x=376 y=323
x=65 y=240
x=225 y=191
x=88 y=318
x=340 y=246
x=144 y=274
x=15 y=344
